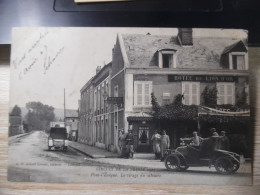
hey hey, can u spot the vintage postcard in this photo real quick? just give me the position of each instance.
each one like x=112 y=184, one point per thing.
x=130 y=105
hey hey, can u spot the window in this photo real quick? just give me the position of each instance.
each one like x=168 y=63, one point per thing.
x=166 y=98
x=191 y=92
x=167 y=59
x=142 y=93
x=226 y=93
x=238 y=61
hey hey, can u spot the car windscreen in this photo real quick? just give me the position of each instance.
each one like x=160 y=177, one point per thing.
x=58 y=133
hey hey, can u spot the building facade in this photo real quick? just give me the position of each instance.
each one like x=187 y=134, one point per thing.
x=165 y=66
x=168 y=66
x=95 y=118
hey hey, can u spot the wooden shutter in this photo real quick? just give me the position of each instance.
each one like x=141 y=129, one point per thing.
x=139 y=94
x=186 y=93
x=146 y=94
x=194 y=93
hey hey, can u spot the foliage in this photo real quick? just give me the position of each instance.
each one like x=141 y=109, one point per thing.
x=176 y=111
x=241 y=102
x=39 y=115
x=16 y=111
x=210 y=96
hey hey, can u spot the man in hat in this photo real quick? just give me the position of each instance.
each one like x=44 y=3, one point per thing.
x=129 y=144
x=213 y=132
x=165 y=144
x=156 y=139
x=122 y=143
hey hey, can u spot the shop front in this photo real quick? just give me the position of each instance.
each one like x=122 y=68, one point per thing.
x=143 y=128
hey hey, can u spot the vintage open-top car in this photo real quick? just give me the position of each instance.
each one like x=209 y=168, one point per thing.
x=207 y=154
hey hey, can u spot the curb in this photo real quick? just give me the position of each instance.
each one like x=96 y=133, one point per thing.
x=93 y=155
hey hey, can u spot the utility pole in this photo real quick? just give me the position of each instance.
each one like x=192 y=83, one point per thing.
x=64 y=108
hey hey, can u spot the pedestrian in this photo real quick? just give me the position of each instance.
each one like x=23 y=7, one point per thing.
x=165 y=144
x=129 y=144
x=156 y=139
x=122 y=144
x=224 y=141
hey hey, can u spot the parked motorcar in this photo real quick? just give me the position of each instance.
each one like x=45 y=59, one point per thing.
x=207 y=155
x=58 y=138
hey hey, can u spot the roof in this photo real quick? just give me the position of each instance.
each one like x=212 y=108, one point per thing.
x=86 y=85
x=72 y=114
x=140 y=116
x=141 y=50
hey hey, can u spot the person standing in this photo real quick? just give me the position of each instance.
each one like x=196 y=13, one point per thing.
x=156 y=139
x=129 y=144
x=122 y=144
x=195 y=140
x=165 y=144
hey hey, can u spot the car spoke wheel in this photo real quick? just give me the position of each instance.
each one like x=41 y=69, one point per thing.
x=172 y=162
x=236 y=165
x=224 y=165
x=183 y=164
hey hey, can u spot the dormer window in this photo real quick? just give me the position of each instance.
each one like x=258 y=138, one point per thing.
x=167 y=58
x=238 y=61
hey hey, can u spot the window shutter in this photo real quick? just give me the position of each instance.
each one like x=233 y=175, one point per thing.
x=139 y=94
x=186 y=89
x=146 y=94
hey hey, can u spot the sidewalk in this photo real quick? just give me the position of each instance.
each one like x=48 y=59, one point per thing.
x=91 y=151
x=140 y=160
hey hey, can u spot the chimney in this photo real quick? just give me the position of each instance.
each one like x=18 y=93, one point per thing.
x=185 y=36
x=98 y=69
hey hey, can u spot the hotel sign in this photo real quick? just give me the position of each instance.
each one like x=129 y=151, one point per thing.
x=202 y=78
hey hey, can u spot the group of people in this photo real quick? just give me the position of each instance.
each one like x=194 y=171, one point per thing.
x=126 y=144
x=160 y=144
x=222 y=143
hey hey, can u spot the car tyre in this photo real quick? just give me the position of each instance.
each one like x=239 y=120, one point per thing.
x=224 y=165
x=172 y=162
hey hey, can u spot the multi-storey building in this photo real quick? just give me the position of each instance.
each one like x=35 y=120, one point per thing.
x=166 y=66
x=172 y=65
x=95 y=126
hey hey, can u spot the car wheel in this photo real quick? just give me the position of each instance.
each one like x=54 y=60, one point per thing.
x=224 y=165
x=183 y=164
x=172 y=162
x=49 y=148
x=65 y=148
x=236 y=166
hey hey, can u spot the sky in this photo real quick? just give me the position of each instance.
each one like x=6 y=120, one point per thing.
x=47 y=60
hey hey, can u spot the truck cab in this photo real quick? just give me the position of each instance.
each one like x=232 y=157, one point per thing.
x=58 y=138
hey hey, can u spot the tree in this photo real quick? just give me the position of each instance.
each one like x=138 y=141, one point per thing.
x=210 y=96
x=16 y=111
x=39 y=115
x=176 y=111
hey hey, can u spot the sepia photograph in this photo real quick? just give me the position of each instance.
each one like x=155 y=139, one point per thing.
x=130 y=105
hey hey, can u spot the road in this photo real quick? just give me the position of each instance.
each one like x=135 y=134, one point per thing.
x=29 y=160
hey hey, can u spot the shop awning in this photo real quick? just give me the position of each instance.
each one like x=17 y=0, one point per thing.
x=140 y=116
x=203 y=110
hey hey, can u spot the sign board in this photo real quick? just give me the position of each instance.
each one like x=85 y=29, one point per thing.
x=115 y=100
x=202 y=78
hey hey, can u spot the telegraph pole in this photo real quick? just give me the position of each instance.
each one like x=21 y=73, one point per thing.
x=64 y=108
